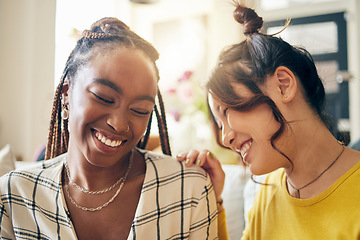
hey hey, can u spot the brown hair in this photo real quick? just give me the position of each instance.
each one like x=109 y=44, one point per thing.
x=104 y=35
x=252 y=60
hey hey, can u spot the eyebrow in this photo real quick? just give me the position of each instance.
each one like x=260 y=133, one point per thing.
x=113 y=86
x=108 y=83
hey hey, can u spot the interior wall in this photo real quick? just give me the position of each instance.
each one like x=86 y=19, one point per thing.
x=27 y=43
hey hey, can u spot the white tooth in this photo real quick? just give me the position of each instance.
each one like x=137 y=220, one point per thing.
x=113 y=143
x=97 y=134
x=242 y=152
x=118 y=143
x=108 y=142
x=103 y=139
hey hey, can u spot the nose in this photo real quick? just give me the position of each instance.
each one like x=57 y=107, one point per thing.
x=118 y=122
x=228 y=136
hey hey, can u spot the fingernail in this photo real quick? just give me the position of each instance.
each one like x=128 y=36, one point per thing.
x=210 y=155
x=187 y=161
x=198 y=162
x=179 y=155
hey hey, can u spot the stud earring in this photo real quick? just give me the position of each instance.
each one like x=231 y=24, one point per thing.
x=285 y=96
x=65 y=113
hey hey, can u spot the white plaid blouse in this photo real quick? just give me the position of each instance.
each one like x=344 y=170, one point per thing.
x=182 y=206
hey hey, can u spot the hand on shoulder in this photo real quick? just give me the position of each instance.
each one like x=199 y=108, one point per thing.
x=210 y=163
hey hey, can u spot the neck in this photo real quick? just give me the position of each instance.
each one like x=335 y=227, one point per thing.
x=84 y=173
x=314 y=150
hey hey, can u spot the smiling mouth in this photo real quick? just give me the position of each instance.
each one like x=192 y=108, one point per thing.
x=107 y=141
x=245 y=148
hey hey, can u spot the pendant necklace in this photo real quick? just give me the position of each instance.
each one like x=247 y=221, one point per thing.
x=297 y=190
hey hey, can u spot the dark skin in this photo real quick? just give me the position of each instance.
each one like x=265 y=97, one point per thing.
x=91 y=225
x=109 y=104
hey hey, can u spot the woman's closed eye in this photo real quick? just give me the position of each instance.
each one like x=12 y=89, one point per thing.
x=225 y=111
x=102 y=99
x=140 y=112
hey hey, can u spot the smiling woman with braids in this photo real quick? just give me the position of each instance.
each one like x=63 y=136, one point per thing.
x=267 y=103
x=98 y=181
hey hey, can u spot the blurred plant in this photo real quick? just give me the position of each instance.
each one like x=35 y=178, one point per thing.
x=185 y=97
x=190 y=129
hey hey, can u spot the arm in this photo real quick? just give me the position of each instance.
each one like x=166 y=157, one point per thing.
x=222 y=229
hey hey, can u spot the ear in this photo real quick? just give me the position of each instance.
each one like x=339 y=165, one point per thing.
x=286 y=84
x=64 y=92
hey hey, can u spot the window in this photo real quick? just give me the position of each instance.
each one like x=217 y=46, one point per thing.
x=324 y=36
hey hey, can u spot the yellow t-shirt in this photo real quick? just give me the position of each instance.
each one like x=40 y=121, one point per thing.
x=333 y=214
x=222 y=229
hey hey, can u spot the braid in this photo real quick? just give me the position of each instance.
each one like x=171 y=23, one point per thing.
x=163 y=133
x=106 y=33
x=162 y=110
x=54 y=122
x=65 y=135
x=142 y=143
x=54 y=146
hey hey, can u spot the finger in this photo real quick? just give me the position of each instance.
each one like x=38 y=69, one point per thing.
x=213 y=161
x=208 y=160
x=202 y=158
x=181 y=156
x=191 y=157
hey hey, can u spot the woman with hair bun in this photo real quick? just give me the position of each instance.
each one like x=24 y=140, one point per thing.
x=99 y=182
x=267 y=104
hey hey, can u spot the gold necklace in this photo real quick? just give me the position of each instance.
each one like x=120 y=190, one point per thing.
x=123 y=178
x=297 y=190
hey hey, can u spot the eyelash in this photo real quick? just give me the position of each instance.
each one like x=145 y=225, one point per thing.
x=141 y=113
x=225 y=110
x=103 y=99
x=111 y=102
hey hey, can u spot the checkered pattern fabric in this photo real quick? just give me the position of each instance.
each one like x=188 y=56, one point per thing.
x=176 y=202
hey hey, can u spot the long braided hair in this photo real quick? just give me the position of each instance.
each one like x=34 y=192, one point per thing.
x=105 y=34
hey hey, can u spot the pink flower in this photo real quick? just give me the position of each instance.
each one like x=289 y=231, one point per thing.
x=185 y=76
x=176 y=115
x=171 y=90
x=185 y=92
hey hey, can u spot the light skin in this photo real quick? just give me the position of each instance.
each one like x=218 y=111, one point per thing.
x=306 y=140
x=112 y=96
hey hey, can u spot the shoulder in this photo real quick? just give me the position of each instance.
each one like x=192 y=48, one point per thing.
x=166 y=164
x=275 y=177
x=164 y=170
x=42 y=172
x=270 y=186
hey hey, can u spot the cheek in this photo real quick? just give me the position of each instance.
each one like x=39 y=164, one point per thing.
x=139 y=126
x=82 y=112
x=260 y=120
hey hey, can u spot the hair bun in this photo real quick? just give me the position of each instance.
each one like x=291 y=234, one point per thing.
x=105 y=27
x=251 y=22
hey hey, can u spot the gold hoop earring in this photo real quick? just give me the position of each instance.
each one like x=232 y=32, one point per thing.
x=127 y=128
x=65 y=113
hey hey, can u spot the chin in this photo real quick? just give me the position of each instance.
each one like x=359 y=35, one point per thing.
x=258 y=170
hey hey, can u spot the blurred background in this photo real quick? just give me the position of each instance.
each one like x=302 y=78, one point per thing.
x=36 y=37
